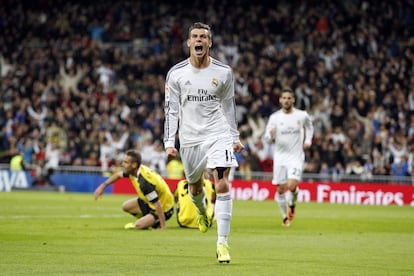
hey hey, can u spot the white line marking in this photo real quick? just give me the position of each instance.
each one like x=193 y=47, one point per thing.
x=59 y=217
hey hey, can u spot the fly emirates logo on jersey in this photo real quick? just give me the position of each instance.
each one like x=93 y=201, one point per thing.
x=290 y=131
x=202 y=96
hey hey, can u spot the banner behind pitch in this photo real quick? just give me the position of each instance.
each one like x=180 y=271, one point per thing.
x=333 y=192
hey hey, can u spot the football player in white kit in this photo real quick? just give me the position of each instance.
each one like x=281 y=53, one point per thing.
x=199 y=104
x=291 y=130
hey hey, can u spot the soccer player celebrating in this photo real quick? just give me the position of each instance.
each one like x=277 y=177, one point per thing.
x=155 y=202
x=291 y=130
x=199 y=100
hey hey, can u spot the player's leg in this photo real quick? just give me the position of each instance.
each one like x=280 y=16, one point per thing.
x=283 y=204
x=198 y=195
x=139 y=209
x=221 y=159
x=223 y=212
x=131 y=206
x=294 y=192
x=280 y=179
x=149 y=218
x=194 y=161
x=145 y=222
x=294 y=176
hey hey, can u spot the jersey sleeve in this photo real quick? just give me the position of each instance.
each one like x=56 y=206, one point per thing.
x=149 y=191
x=308 y=124
x=271 y=124
x=229 y=106
x=171 y=110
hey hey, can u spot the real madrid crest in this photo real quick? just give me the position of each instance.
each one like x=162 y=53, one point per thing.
x=214 y=82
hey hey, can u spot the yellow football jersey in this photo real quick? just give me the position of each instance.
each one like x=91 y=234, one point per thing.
x=185 y=208
x=151 y=187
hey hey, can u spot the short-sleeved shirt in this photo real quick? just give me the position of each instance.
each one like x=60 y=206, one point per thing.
x=151 y=187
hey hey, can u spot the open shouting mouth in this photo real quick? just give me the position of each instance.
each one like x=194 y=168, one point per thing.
x=198 y=49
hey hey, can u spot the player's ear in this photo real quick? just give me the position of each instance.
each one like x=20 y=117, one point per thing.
x=188 y=43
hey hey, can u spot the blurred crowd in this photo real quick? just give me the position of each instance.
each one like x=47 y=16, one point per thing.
x=81 y=82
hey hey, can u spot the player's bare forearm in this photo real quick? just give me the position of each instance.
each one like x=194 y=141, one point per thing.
x=101 y=188
x=160 y=214
x=99 y=191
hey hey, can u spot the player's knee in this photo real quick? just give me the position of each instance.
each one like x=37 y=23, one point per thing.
x=280 y=197
x=281 y=189
x=293 y=187
x=125 y=207
x=196 y=188
x=222 y=186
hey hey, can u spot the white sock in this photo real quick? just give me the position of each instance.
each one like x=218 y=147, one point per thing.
x=199 y=201
x=281 y=200
x=294 y=196
x=223 y=212
x=222 y=240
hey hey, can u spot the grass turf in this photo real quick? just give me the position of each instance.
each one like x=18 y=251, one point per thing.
x=50 y=233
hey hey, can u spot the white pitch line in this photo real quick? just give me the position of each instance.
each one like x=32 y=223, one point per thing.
x=60 y=216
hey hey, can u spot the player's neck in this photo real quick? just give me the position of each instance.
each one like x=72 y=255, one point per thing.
x=287 y=110
x=200 y=62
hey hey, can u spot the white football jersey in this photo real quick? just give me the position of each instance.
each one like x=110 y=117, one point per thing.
x=292 y=131
x=200 y=102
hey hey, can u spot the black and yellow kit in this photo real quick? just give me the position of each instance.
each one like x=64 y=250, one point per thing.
x=185 y=208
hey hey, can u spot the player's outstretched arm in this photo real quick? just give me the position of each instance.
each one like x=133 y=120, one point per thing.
x=101 y=188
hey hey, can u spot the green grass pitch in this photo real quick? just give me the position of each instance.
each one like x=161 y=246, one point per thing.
x=50 y=233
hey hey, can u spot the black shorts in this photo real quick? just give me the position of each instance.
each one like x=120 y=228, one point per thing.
x=146 y=209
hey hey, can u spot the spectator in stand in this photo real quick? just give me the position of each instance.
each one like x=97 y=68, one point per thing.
x=117 y=141
x=263 y=152
x=398 y=149
x=71 y=75
x=52 y=155
x=38 y=113
x=28 y=147
x=337 y=117
x=256 y=122
x=400 y=168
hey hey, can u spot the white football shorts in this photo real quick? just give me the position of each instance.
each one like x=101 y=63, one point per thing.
x=281 y=174
x=209 y=154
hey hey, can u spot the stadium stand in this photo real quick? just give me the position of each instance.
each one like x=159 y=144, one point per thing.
x=84 y=81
